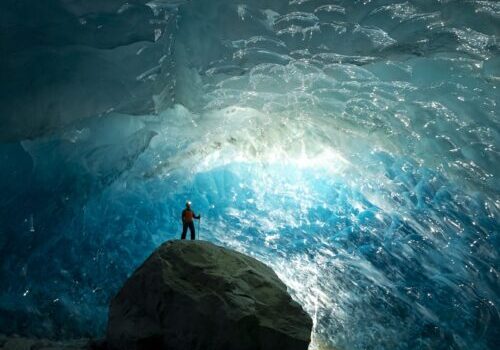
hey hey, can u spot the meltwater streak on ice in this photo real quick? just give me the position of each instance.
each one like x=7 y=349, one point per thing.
x=352 y=145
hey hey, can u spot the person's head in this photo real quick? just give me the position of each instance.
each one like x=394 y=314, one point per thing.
x=188 y=204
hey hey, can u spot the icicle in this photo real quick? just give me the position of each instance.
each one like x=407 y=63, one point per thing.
x=32 y=226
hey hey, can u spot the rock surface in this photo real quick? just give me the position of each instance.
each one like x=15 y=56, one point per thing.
x=21 y=343
x=191 y=295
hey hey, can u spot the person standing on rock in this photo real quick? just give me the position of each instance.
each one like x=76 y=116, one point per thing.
x=188 y=217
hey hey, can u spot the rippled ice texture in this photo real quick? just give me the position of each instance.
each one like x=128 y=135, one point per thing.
x=351 y=145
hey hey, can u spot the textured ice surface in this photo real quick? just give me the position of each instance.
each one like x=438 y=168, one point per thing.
x=351 y=145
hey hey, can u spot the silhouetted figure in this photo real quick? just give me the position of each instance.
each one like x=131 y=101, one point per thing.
x=188 y=217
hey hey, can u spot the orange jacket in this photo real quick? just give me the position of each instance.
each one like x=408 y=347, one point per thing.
x=188 y=215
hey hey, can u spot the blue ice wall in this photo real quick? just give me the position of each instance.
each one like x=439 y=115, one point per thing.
x=351 y=145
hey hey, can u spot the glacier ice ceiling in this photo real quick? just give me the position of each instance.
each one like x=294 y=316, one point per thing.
x=351 y=145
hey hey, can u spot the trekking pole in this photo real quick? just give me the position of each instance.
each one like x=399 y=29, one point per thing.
x=199 y=231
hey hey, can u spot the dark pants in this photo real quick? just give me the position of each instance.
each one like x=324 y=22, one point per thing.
x=185 y=226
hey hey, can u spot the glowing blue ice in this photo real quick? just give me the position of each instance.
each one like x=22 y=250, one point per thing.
x=351 y=145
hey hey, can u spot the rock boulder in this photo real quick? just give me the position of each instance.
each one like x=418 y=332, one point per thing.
x=194 y=295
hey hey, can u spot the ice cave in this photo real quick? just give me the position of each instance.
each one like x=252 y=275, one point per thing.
x=351 y=145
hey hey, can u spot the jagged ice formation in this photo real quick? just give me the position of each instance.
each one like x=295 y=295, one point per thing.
x=351 y=145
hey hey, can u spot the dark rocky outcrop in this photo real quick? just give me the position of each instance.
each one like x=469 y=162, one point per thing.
x=21 y=343
x=191 y=295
